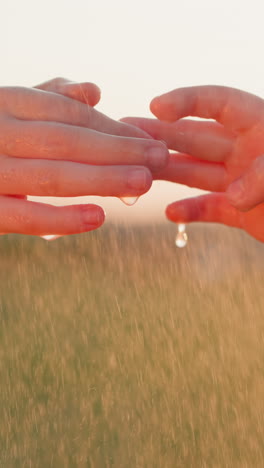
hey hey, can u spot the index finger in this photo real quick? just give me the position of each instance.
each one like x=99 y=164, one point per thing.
x=237 y=110
x=36 y=104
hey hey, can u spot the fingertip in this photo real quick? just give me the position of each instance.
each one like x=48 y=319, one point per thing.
x=176 y=212
x=100 y=215
x=139 y=181
x=92 y=217
x=148 y=179
x=163 y=108
x=88 y=93
x=169 y=212
x=155 y=106
x=187 y=210
x=95 y=96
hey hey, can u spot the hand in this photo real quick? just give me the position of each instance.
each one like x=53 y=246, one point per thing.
x=213 y=155
x=51 y=145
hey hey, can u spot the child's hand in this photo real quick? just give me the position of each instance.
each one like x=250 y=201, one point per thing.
x=213 y=155
x=51 y=145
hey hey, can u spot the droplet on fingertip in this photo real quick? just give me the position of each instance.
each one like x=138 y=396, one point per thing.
x=50 y=237
x=129 y=201
x=181 y=238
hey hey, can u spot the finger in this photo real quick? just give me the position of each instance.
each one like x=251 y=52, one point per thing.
x=233 y=108
x=212 y=208
x=36 y=104
x=88 y=93
x=68 y=179
x=26 y=217
x=204 y=140
x=47 y=140
x=186 y=170
x=247 y=192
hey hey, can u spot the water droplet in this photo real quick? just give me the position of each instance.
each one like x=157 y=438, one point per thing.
x=181 y=238
x=181 y=227
x=50 y=237
x=129 y=200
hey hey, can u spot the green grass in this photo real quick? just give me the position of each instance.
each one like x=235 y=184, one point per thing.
x=118 y=350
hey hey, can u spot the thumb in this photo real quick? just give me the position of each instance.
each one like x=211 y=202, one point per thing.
x=247 y=192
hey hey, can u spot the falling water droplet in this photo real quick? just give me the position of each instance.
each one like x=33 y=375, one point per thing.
x=129 y=200
x=181 y=238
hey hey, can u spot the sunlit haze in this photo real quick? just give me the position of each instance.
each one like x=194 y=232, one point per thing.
x=134 y=51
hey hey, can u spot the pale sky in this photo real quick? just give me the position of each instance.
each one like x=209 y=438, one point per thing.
x=134 y=51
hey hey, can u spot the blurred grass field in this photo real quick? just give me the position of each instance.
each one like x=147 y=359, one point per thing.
x=119 y=350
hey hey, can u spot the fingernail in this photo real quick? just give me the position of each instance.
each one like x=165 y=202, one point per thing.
x=92 y=217
x=236 y=191
x=137 y=179
x=157 y=157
